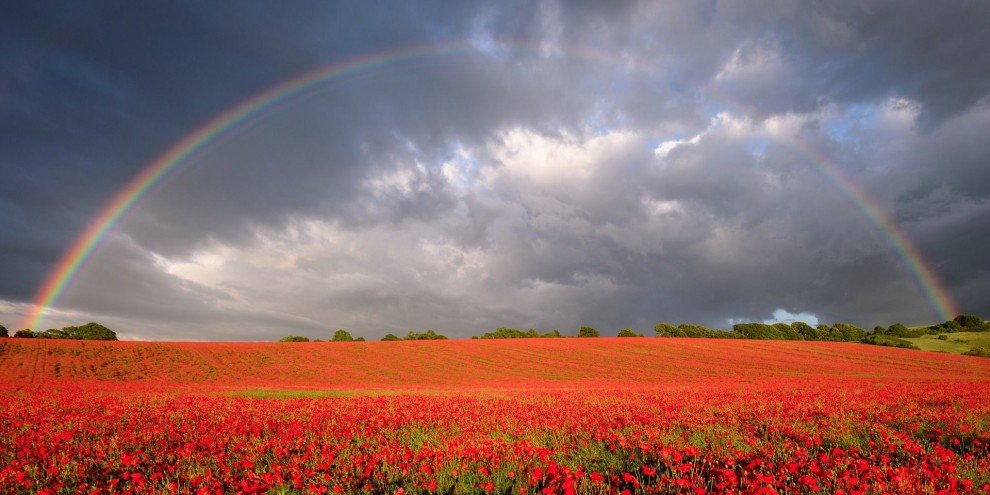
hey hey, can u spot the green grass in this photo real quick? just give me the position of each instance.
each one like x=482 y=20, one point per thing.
x=957 y=343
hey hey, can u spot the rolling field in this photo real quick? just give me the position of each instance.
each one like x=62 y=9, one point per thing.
x=503 y=416
x=955 y=343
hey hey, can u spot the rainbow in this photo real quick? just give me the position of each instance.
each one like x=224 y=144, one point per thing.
x=182 y=153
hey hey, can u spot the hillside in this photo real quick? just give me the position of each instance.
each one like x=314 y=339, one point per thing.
x=521 y=363
x=955 y=343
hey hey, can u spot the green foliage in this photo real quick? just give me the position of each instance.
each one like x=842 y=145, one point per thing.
x=3 y=331
x=587 y=332
x=806 y=331
x=294 y=338
x=847 y=332
x=969 y=321
x=695 y=331
x=628 y=332
x=389 y=337
x=948 y=327
x=888 y=341
x=359 y=339
x=89 y=331
x=978 y=351
x=515 y=333
x=342 y=335
x=427 y=335
x=666 y=330
x=899 y=330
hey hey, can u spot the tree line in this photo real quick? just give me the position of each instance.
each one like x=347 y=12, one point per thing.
x=892 y=336
x=89 y=331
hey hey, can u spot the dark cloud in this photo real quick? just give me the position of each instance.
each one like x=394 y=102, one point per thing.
x=613 y=166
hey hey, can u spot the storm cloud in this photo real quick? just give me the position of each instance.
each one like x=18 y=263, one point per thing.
x=567 y=164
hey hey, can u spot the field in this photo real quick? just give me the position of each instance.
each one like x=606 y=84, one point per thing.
x=505 y=416
x=955 y=343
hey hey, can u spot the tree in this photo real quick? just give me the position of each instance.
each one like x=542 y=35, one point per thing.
x=427 y=335
x=390 y=337
x=758 y=331
x=628 y=332
x=24 y=334
x=342 y=335
x=806 y=331
x=89 y=331
x=3 y=331
x=971 y=323
x=967 y=321
x=847 y=332
x=667 y=330
x=587 y=332
x=294 y=338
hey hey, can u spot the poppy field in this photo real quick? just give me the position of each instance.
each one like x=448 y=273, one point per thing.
x=550 y=416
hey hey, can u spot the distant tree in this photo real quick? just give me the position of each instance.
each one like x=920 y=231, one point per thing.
x=294 y=338
x=342 y=335
x=759 y=331
x=847 y=332
x=628 y=332
x=515 y=333
x=390 y=337
x=971 y=323
x=552 y=334
x=947 y=327
x=806 y=331
x=899 y=330
x=24 y=334
x=784 y=331
x=667 y=330
x=427 y=335
x=887 y=341
x=694 y=330
x=89 y=331
x=359 y=339
x=968 y=321
x=3 y=331
x=587 y=332
x=54 y=333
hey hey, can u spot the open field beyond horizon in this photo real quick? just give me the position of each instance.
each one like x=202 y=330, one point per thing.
x=524 y=416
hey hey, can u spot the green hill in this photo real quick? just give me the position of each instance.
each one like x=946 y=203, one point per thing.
x=955 y=343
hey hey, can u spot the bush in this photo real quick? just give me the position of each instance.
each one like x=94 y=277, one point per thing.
x=427 y=335
x=24 y=334
x=294 y=338
x=847 y=332
x=693 y=330
x=515 y=333
x=389 y=337
x=342 y=335
x=587 y=332
x=3 y=331
x=968 y=321
x=89 y=331
x=978 y=351
x=942 y=337
x=628 y=332
x=759 y=331
x=667 y=330
x=806 y=331
x=888 y=341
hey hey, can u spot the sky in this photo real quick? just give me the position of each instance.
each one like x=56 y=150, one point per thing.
x=464 y=166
